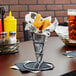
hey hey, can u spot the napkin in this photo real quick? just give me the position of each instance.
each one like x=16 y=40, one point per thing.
x=21 y=67
x=70 y=54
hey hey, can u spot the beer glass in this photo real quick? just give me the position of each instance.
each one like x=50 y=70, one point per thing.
x=72 y=23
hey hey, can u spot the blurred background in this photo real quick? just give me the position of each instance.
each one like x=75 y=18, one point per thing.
x=54 y=8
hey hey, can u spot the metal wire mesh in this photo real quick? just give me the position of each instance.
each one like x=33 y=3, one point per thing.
x=9 y=48
x=38 y=42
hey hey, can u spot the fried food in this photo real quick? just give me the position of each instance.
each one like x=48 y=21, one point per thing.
x=46 y=23
x=38 y=17
x=38 y=23
x=41 y=25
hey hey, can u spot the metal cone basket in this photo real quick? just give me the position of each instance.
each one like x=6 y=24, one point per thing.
x=39 y=64
x=38 y=42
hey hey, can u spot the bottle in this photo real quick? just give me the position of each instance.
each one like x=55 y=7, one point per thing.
x=12 y=38
x=10 y=24
x=0 y=27
x=3 y=40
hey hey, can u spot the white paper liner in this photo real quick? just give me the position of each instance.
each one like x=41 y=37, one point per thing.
x=32 y=28
x=28 y=17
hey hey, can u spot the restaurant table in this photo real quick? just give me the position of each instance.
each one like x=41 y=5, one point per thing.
x=53 y=53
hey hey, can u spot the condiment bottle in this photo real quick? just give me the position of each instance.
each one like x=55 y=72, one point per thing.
x=12 y=38
x=3 y=40
x=0 y=27
x=10 y=24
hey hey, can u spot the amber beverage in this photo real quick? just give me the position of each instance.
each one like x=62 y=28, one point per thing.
x=72 y=23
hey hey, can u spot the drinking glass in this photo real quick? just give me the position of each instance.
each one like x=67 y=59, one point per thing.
x=72 y=23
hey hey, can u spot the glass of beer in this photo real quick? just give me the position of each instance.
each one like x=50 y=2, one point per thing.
x=72 y=23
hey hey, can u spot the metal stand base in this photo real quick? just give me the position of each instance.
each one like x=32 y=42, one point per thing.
x=43 y=67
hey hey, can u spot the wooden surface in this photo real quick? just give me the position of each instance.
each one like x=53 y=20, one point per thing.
x=53 y=53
